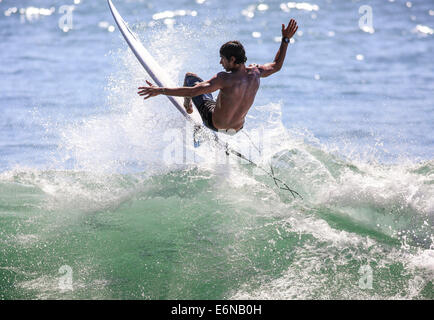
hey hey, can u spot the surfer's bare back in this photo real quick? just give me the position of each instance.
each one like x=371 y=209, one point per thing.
x=238 y=85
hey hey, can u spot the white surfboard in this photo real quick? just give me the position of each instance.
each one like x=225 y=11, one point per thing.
x=157 y=73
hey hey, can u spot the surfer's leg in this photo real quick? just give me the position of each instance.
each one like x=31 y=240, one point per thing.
x=206 y=111
x=204 y=103
x=187 y=100
x=190 y=80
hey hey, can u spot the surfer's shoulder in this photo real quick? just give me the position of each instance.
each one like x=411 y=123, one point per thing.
x=222 y=76
x=254 y=68
x=219 y=80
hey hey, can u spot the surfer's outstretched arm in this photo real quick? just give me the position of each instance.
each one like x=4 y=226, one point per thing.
x=214 y=84
x=272 y=67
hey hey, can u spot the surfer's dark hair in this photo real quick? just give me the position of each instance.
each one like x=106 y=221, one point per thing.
x=234 y=49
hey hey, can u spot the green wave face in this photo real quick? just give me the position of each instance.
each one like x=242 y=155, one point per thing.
x=362 y=231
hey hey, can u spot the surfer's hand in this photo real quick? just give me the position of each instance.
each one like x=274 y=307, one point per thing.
x=150 y=91
x=290 y=30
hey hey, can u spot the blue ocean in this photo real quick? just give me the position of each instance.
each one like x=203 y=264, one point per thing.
x=104 y=195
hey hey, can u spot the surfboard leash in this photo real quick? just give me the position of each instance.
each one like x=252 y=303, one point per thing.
x=229 y=150
x=272 y=171
x=271 y=174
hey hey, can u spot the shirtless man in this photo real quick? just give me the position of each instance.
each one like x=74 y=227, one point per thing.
x=238 y=85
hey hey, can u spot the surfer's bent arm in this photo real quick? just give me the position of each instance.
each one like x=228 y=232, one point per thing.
x=214 y=84
x=272 y=67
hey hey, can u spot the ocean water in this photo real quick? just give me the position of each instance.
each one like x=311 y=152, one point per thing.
x=103 y=196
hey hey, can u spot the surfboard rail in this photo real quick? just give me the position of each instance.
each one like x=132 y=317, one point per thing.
x=157 y=74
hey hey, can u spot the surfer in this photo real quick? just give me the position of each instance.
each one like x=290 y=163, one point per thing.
x=238 y=85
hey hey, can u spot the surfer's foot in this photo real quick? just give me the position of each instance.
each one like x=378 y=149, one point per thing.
x=187 y=105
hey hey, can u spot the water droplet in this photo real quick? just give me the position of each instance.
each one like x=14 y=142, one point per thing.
x=256 y=34
x=262 y=7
